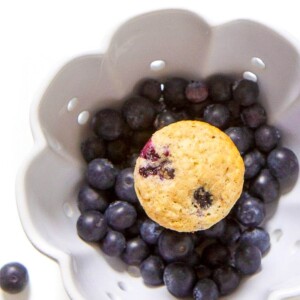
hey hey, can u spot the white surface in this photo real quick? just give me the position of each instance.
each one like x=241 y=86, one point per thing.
x=37 y=37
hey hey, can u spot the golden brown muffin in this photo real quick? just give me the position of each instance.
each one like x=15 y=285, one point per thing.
x=188 y=176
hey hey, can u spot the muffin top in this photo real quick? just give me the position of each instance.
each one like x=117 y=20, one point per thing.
x=188 y=176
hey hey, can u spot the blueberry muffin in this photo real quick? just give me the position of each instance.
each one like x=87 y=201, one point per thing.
x=188 y=176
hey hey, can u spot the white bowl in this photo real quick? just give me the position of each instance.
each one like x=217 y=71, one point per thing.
x=189 y=47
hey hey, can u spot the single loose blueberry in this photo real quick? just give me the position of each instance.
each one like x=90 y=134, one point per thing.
x=124 y=187
x=215 y=254
x=117 y=150
x=135 y=252
x=205 y=289
x=247 y=259
x=150 y=231
x=138 y=112
x=90 y=199
x=92 y=148
x=174 y=92
x=108 y=124
x=220 y=88
x=175 y=246
x=101 y=174
x=283 y=164
x=114 y=243
x=164 y=118
x=179 y=279
x=231 y=233
x=253 y=161
x=227 y=279
x=217 y=115
x=120 y=215
x=196 y=91
x=91 y=226
x=257 y=237
x=254 y=116
x=152 y=270
x=265 y=186
x=151 y=89
x=266 y=137
x=216 y=230
x=246 y=92
x=242 y=138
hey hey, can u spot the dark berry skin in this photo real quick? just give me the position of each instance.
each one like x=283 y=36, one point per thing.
x=151 y=89
x=174 y=92
x=231 y=233
x=283 y=164
x=217 y=115
x=254 y=116
x=120 y=215
x=135 y=252
x=108 y=124
x=164 y=118
x=117 y=150
x=150 y=231
x=91 y=226
x=179 y=279
x=152 y=270
x=90 y=199
x=205 y=289
x=220 y=88
x=265 y=186
x=92 y=148
x=246 y=92
x=140 y=138
x=196 y=91
x=227 y=279
x=124 y=187
x=253 y=161
x=101 y=174
x=13 y=278
x=114 y=243
x=193 y=260
x=266 y=137
x=215 y=254
x=242 y=138
x=250 y=211
x=216 y=230
x=203 y=271
x=196 y=110
x=175 y=246
x=139 y=113
x=247 y=259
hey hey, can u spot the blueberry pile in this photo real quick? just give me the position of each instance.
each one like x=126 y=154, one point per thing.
x=205 y=264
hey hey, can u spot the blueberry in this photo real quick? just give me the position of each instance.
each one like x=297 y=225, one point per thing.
x=151 y=89
x=216 y=230
x=205 y=289
x=247 y=259
x=179 y=279
x=242 y=138
x=92 y=148
x=164 y=118
x=108 y=124
x=181 y=115
x=117 y=150
x=196 y=91
x=138 y=112
x=203 y=271
x=234 y=109
x=249 y=211
x=196 y=110
x=90 y=199
x=152 y=270
x=135 y=252
x=193 y=260
x=13 y=278
x=220 y=88
x=254 y=116
x=174 y=92
x=91 y=226
x=124 y=187
x=120 y=215
x=114 y=243
x=253 y=161
x=265 y=186
x=283 y=164
x=140 y=138
x=215 y=254
x=150 y=231
x=246 y=92
x=217 y=115
x=266 y=137
x=231 y=233
x=227 y=279
x=174 y=246
x=134 y=230
x=101 y=174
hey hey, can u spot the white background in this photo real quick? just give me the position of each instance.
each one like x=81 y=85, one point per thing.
x=36 y=38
